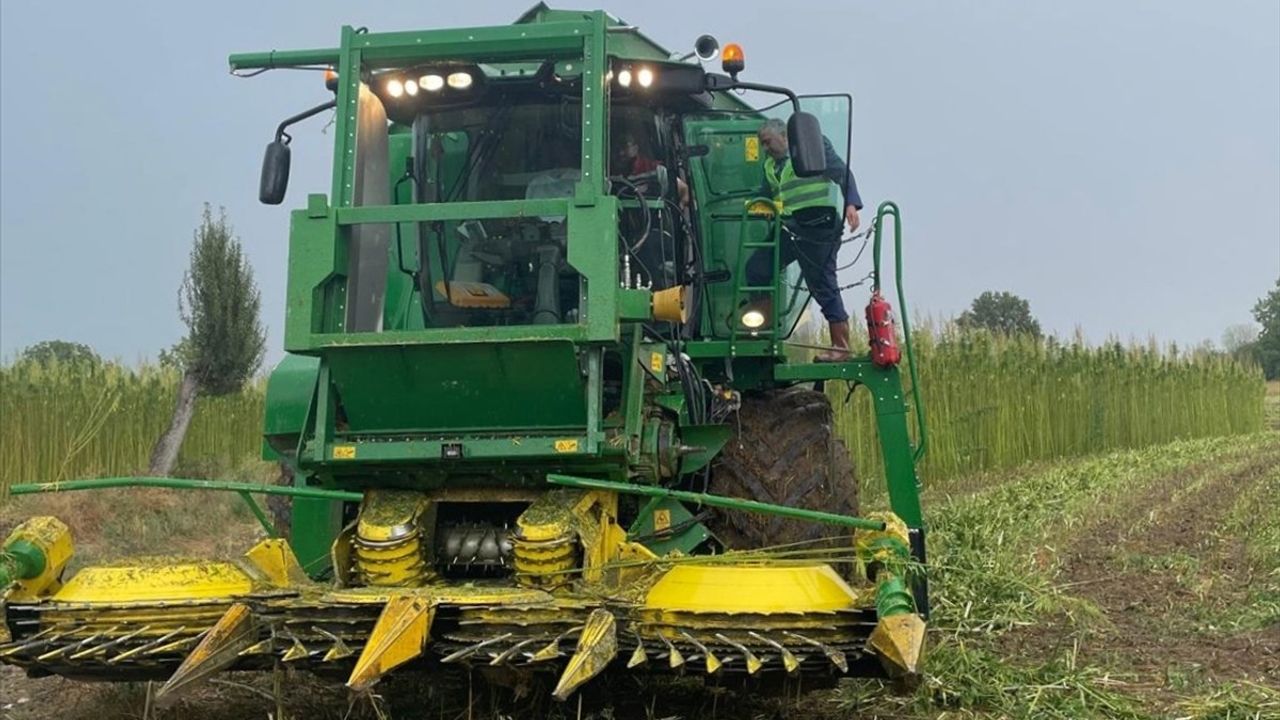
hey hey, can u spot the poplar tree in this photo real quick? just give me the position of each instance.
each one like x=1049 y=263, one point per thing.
x=219 y=303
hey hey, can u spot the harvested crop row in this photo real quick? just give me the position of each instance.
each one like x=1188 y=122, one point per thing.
x=1013 y=612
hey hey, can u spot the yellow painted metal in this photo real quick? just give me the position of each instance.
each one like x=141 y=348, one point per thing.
x=899 y=642
x=297 y=651
x=235 y=631
x=882 y=546
x=597 y=646
x=275 y=561
x=398 y=637
x=465 y=294
x=387 y=548
x=463 y=595
x=672 y=304
x=635 y=567
x=53 y=539
x=763 y=208
x=550 y=651
x=638 y=656
x=763 y=589
x=159 y=579
x=389 y=515
x=549 y=531
x=789 y=660
x=339 y=650
x=752 y=662
x=340 y=556
x=713 y=663
x=674 y=658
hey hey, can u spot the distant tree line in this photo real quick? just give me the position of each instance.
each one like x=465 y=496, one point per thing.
x=1260 y=343
x=1005 y=314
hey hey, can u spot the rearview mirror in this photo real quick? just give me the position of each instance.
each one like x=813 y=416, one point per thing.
x=804 y=139
x=275 y=173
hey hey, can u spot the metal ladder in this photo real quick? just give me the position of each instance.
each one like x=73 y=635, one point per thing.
x=741 y=287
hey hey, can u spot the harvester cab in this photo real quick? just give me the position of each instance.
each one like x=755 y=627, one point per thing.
x=524 y=425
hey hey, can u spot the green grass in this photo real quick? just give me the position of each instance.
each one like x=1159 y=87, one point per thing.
x=1272 y=405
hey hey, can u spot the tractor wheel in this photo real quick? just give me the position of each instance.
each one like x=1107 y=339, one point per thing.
x=786 y=453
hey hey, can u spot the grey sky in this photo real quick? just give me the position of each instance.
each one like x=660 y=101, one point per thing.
x=1116 y=163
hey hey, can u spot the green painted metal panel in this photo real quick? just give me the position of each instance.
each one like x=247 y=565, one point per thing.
x=443 y=386
x=665 y=525
x=486 y=44
x=569 y=443
x=315 y=525
x=724 y=180
x=290 y=388
x=705 y=442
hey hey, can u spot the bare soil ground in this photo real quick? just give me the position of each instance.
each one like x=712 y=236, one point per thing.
x=1167 y=587
x=1165 y=578
x=1146 y=584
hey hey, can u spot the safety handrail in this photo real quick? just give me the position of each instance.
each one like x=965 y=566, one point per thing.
x=244 y=490
x=886 y=209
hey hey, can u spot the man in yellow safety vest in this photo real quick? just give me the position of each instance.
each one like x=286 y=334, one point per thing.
x=812 y=228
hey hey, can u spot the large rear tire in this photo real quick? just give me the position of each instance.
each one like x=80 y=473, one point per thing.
x=786 y=453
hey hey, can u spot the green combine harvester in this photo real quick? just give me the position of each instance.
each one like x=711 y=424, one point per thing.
x=526 y=427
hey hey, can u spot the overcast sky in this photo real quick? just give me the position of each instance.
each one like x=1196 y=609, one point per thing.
x=1117 y=163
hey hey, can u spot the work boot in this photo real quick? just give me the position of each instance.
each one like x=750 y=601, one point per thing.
x=839 y=351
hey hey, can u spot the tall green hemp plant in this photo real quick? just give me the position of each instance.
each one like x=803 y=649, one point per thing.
x=219 y=303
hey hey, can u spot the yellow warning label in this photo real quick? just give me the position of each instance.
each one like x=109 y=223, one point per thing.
x=752 y=146
x=563 y=446
x=655 y=362
x=661 y=520
x=344 y=452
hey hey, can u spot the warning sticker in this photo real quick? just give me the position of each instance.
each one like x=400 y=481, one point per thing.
x=655 y=362
x=567 y=446
x=344 y=452
x=661 y=520
x=751 y=144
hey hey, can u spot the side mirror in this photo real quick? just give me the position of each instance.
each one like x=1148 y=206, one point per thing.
x=275 y=173
x=804 y=138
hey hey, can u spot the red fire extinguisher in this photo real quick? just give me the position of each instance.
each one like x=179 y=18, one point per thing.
x=884 y=343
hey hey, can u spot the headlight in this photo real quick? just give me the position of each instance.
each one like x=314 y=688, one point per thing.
x=752 y=319
x=395 y=88
x=645 y=77
x=431 y=83
x=624 y=78
x=410 y=87
x=460 y=80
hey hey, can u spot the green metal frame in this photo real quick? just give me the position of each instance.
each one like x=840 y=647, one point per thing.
x=244 y=490
x=885 y=386
x=717 y=501
x=318 y=234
